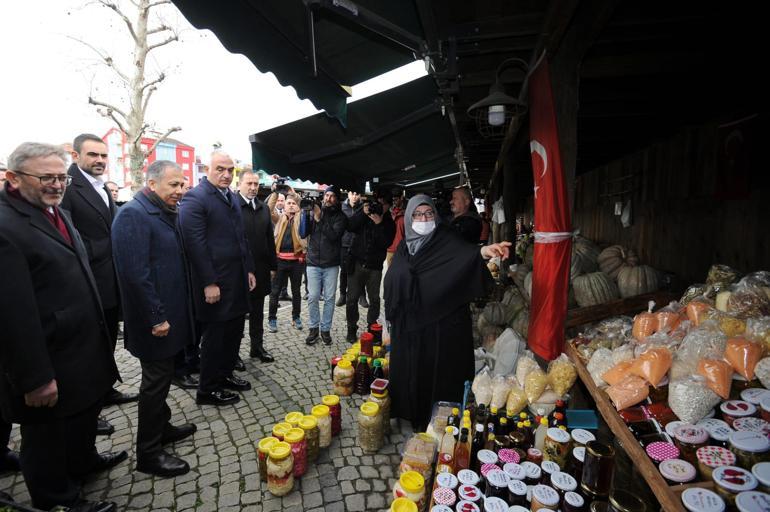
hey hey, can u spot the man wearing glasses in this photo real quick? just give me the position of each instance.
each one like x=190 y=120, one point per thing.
x=56 y=361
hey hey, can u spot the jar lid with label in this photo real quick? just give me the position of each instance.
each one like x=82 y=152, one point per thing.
x=441 y=508
x=531 y=469
x=444 y=496
x=545 y=496
x=495 y=505
x=498 y=478
x=660 y=451
x=558 y=435
x=468 y=476
x=507 y=455
x=469 y=493
x=487 y=457
x=691 y=434
x=514 y=471
x=403 y=505
x=734 y=479
x=678 y=471
x=447 y=480
x=761 y=470
x=574 y=499
x=737 y=408
x=579 y=453
x=754 y=395
x=582 y=436
x=549 y=467
x=765 y=403
x=715 y=456
x=697 y=499
x=752 y=442
x=412 y=482
x=467 y=506
x=486 y=468
x=518 y=508
x=517 y=487
x=563 y=482
x=752 y=424
x=671 y=427
x=752 y=501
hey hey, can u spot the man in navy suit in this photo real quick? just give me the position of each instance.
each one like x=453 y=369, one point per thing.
x=222 y=271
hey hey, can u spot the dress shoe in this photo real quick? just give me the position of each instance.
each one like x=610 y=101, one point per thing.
x=185 y=382
x=103 y=427
x=363 y=302
x=236 y=383
x=172 y=434
x=93 y=506
x=312 y=336
x=341 y=300
x=162 y=464
x=115 y=397
x=9 y=460
x=326 y=336
x=240 y=366
x=219 y=397
x=108 y=460
x=263 y=355
x=352 y=336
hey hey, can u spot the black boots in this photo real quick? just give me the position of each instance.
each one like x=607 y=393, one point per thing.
x=312 y=336
x=352 y=336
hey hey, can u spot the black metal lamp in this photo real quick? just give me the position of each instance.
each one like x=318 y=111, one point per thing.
x=493 y=113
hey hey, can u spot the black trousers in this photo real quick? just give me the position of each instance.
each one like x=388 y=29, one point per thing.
x=363 y=280
x=291 y=271
x=112 y=317
x=154 y=413
x=220 y=342
x=257 y=320
x=56 y=455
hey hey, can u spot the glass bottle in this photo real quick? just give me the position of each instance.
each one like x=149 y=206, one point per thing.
x=377 y=371
x=477 y=444
x=363 y=376
x=482 y=415
x=462 y=454
x=446 y=452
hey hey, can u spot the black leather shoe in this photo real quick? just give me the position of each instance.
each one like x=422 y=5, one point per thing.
x=185 y=382
x=220 y=397
x=104 y=428
x=312 y=336
x=108 y=460
x=162 y=464
x=363 y=302
x=236 y=383
x=263 y=355
x=115 y=397
x=326 y=336
x=240 y=366
x=352 y=336
x=341 y=300
x=172 y=434
x=93 y=506
x=9 y=460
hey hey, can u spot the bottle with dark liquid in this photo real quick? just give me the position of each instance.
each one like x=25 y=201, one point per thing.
x=478 y=443
x=363 y=377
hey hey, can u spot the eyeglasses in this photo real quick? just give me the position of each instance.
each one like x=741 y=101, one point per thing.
x=47 y=180
x=428 y=215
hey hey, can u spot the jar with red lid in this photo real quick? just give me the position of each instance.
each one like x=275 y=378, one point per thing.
x=470 y=493
x=507 y=455
x=677 y=471
x=688 y=438
x=733 y=409
x=367 y=344
x=376 y=330
x=712 y=457
x=660 y=451
x=534 y=455
x=729 y=481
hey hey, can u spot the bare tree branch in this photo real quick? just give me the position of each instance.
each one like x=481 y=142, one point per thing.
x=110 y=108
x=163 y=137
x=163 y=43
x=104 y=57
x=158 y=80
x=157 y=29
x=147 y=100
x=155 y=4
x=127 y=21
x=111 y=115
x=140 y=133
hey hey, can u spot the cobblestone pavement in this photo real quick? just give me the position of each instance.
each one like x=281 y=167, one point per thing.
x=222 y=453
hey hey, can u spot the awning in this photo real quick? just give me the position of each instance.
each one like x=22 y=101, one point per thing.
x=275 y=35
x=398 y=136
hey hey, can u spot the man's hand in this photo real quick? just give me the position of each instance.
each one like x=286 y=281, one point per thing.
x=161 y=330
x=501 y=249
x=45 y=396
x=272 y=274
x=376 y=218
x=252 y=281
x=317 y=213
x=211 y=292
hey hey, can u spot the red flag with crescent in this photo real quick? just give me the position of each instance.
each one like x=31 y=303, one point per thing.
x=553 y=237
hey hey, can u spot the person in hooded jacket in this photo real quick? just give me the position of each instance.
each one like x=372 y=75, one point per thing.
x=434 y=276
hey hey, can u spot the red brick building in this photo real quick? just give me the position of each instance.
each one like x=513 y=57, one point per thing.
x=119 y=168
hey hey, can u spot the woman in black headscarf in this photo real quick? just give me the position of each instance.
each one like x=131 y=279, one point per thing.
x=435 y=274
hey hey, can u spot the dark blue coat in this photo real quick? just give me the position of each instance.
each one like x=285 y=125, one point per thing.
x=217 y=251
x=152 y=277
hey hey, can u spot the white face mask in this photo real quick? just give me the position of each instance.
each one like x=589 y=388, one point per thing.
x=423 y=228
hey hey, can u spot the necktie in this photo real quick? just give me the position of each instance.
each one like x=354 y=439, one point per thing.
x=253 y=205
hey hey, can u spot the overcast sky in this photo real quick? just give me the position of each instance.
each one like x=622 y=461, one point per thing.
x=215 y=96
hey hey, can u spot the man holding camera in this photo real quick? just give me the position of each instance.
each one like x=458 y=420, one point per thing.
x=374 y=230
x=327 y=226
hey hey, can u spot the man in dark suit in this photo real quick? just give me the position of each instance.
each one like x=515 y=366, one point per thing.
x=259 y=234
x=157 y=310
x=222 y=277
x=92 y=209
x=56 y=361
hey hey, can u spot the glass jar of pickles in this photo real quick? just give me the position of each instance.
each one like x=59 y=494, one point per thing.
x=731 y=480
x=411 y=485
x=264 y=451
x=370 y=434
x=688 y=438
x=557 y=446
x=749 y=448
x=712 y=457
x=296 y=439
x=382 y=400
x=280 y=469
x=310 y=425
x=598 y=469
x=335 y=412
x=280 y=429
x=344 y=375
x=321 y=414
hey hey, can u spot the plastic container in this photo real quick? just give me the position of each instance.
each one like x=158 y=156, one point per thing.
x=280 y=469
x=729 y=481
x=418 y=455
x=344 y=377
x=697 y=499
x=403 y=505
x=749 y=448
x=263 y=447
x=411 y=485
x=296 y=439
x=321 y=413
x=280 y=429
x=335 y=412
x=293 y=418
x=762 y=473
x=677 y=472
x=544 y=497
x=557 y=446
x=688 y=439
x=711 y=457
x=367 y=344
x=732 y=409
x=383 y=401
x=310 y=425
x=752 y=501
x=370 y=431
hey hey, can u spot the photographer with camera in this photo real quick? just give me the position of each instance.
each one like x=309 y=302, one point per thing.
x=374 y=230
x=323 y=225
x=350 y=206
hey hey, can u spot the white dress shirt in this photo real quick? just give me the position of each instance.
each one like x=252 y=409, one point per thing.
x=98 y=186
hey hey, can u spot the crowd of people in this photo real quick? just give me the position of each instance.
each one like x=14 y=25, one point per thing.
x=183 y=267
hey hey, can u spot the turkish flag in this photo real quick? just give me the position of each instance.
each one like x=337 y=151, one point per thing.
x=553 y=237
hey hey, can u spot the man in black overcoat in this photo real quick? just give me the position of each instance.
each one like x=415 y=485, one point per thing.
x=222 y=272
x=259 y=234
x=56 y=361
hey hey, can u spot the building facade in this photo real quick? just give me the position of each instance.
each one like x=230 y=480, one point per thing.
x=119 y=168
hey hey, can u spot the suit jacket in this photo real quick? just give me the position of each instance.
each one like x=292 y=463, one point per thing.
x=153 y=279
x=215 y=243
x=52 y=321
x=258 y=228
x=93 y=219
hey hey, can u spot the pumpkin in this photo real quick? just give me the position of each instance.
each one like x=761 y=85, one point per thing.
x=587 y=252
x=595 y=288
x=521 y=323
x=633 y=281
x=615 y=257
x=519 y=275
x=496 y=313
